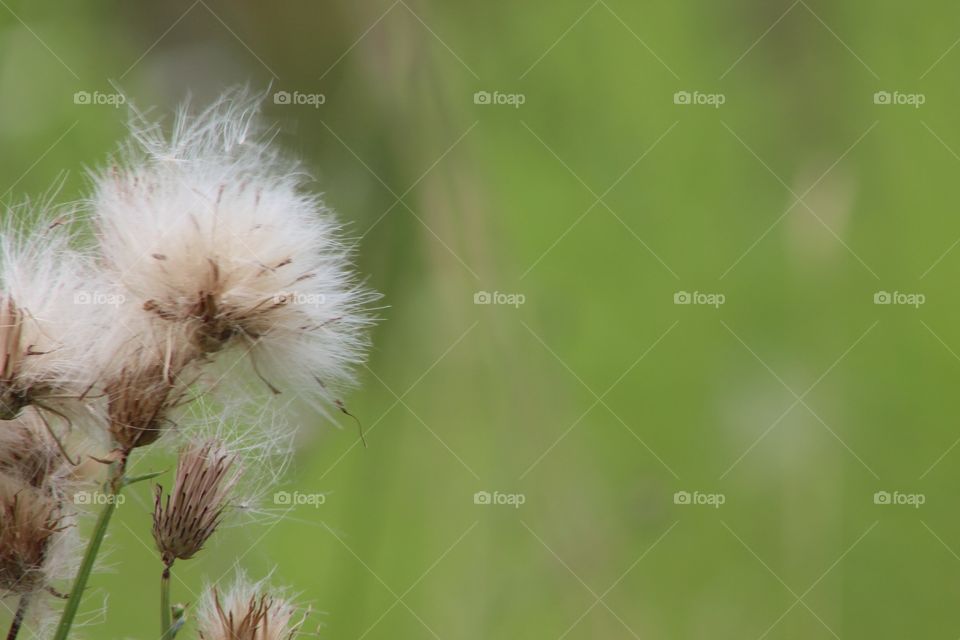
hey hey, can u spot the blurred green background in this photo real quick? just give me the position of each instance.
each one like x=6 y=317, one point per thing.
x=597 y=199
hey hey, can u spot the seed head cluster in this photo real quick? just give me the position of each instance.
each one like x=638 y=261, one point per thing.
x=212 y=269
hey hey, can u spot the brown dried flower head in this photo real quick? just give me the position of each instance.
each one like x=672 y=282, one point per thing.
x=137 y=403
x=28 y=451
x=142 y=393
x=188 y=516
x=246 y=612
x=29 y=519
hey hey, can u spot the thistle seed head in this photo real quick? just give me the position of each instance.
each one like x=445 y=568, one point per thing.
x=185 y=519
x=247 y=612
x=213 y=230
x=29 y=521
x=47 y=333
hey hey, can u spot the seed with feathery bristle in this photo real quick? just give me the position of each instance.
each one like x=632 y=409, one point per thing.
x=185 y=519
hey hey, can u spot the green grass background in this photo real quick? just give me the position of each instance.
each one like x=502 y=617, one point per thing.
x=616 y=396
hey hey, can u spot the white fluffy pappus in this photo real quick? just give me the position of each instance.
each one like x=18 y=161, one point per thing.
x=211 y=228
x=50 y=323
x=248 y=611
x=261 y=440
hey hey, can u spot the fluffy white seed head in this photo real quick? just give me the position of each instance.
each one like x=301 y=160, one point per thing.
x=248 y=611
x=49 y=323
x=211 y=229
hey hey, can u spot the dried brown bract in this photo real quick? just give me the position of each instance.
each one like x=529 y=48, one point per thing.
x=137 y=405
x=148 y=377
x=29 y=519
x=188 y=516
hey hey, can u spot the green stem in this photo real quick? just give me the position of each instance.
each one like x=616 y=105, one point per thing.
x=113 y=485
x=165 y=624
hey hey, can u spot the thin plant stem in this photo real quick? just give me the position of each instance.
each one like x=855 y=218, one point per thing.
x=165 y=623
x=114 y=485
x=18 y=617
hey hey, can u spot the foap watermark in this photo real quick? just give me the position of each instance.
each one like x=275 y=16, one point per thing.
x=899 y=98
x=498 y=297
x=298 y=499
x=900 y=298
x=514 y=100
x=497 y=498
x=99 y=98
x=714 y=500
x=698 y=297
x=714 y=100
x=300 y=299
x=99 y=298
x=98 y=498
x=914 y=500
x=299 y=98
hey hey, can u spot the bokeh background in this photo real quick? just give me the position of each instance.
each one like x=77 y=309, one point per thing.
x=594 y=203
